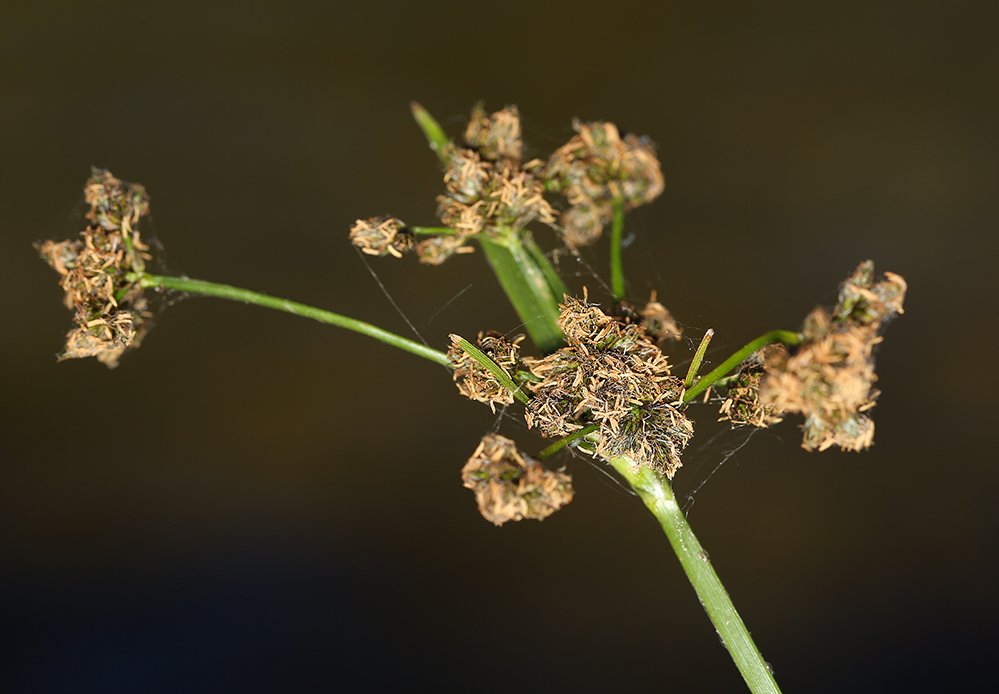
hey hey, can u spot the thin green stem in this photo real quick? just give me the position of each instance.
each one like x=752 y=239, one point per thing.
x=566 y=440
x=617 y=265
x=225 y=291
x=431 y=129
x=783 y=336
x=492 y=367
x=526 y=286
x=657 y=495
x=695 y=364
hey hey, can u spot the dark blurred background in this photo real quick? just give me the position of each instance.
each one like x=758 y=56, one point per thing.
x=255 y=502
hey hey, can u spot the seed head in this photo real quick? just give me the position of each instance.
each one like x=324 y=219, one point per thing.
x=830 y=377
x=510 y=485
x=596 y=167
x=110 y=311
x=474 y=380
x=381 y=235
x=497 y=136
x=742 y=405
x=613 y=374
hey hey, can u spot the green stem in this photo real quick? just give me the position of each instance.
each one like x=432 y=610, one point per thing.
x=526 y=287
x=784 y=336
x=657 y=495
x=431 y=129
x=617 y=265
x=225 y=291
x=492 y=367
x=566 y=440
x=447 y=231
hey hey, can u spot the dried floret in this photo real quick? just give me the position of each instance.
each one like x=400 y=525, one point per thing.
x=597 y=167
x=610 y=373
x=434 y=250
x=510 y=485
x=381 y=235
x=742 y=404
x=496 y=136
x=830 y=377
x=476 y=381
x=110 y=313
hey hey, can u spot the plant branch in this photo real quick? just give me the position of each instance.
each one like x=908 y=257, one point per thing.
x=225 y=291
x=783 y=336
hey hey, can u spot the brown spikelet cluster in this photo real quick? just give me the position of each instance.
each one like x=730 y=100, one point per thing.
x=510 y=485
x=610 y=373
x=830 y=377
x=110 y=312
x=742 y=404
x=474 y=380
x=495 y=136
x=655 y=319
x=381 y=235
x=483 y=195
x=597 y=167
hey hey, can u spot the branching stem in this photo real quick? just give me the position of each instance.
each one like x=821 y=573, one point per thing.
x=783 y=336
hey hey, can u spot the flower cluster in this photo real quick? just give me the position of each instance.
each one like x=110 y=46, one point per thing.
x=474 y=380
x=381 y=235
x=612 y=374
x=596 y=168
x=510 y=485
x=742 y=404
x=110 y=311
x=830 y=377
x=490 y=189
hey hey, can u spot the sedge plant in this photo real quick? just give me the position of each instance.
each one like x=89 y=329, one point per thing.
x=600 y=381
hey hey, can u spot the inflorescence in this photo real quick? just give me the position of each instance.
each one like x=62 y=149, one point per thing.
x=490 y=190
x=110 y=312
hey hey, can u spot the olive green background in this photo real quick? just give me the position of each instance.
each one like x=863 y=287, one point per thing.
x=253 y=502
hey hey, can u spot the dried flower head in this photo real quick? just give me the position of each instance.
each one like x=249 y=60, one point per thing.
x=510 y=485
x=474 y=380
x=613 y=374
x=110 y=311
x=742 y=405
x=434 y=250
x=655 y=319
x=381 y=235
x=597 y=167
x=830 y=377
x=483 y=194
x=497 y=136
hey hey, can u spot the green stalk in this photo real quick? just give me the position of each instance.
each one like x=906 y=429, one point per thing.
x=617 y=265
x=784 y=336
x=526 y=286
x=225 y=291
x=657 y=495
